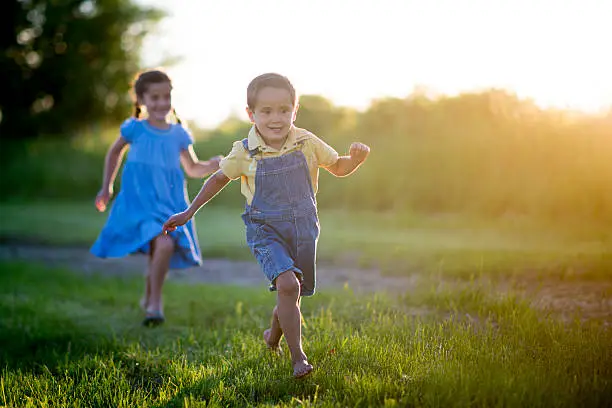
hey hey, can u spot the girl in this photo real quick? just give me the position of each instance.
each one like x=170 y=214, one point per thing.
x=279 y=168
x=152 y=189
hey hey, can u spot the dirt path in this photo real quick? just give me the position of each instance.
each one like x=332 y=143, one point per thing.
x=220 y=271
x=566 y=300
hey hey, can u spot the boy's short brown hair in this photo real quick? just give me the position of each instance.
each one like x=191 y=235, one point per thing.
x=272 y=80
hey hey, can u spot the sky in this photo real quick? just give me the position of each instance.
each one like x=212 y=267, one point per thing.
x=555 y=52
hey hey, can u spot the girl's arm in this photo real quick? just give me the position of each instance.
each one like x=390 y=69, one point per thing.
x=346 y=165
x=211 y=188
x=111 y=165
x=196 y=168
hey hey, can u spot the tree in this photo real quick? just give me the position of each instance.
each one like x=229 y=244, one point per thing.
x=321 y=117
x=66 y=63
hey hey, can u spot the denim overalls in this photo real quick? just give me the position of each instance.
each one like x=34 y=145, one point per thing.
x=282 y=226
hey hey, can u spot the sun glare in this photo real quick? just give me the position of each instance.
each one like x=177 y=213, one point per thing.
x=352 y=52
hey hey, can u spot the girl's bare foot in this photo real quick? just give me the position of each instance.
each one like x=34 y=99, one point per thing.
x=272 y=345
x=301 y=368
x=153 y=319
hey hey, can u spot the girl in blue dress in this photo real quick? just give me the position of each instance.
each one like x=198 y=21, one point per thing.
x=152 y=189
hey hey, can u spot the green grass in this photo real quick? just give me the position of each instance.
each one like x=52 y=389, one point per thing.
x=398 y=244
x=68 y=340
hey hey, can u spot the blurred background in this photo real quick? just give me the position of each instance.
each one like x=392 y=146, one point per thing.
x=467 y=263
x=484 y=113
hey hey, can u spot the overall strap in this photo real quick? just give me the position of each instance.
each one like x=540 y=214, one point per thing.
x=245 y=144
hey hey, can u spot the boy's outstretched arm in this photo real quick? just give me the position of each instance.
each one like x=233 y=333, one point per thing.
x=211 y=187
x=346 y=165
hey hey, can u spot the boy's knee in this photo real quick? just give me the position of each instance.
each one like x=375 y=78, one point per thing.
x=288 y=284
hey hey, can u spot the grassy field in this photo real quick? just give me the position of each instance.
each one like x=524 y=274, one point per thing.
x=68 y=340
x=510 y=249
x=398 y=244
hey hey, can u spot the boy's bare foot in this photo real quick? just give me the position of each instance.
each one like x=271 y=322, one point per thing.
x=301 y=369
x=272 y=345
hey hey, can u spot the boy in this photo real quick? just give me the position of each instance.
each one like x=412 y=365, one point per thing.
x=279 y=166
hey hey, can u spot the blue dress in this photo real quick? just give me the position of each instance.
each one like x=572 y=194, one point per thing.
x=152 y=189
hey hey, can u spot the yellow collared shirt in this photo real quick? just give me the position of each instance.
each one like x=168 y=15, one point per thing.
x=238 y=163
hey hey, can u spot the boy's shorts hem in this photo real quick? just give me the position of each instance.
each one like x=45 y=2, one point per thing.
x=300 y=275
x=272 y=277
x=303 y=293
x=307 y=293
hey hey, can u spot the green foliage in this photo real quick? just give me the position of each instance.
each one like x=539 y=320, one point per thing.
x=70 y=340
x=486 y=154
x=67 y=63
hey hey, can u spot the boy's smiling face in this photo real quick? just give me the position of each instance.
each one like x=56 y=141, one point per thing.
x=273 y=115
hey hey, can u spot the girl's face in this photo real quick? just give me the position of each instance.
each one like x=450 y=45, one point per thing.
x=273 y=115
x=157 y=99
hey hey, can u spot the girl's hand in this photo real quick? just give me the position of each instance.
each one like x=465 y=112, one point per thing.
x=176 y=221
x=214 y=162
x=359 y=152
x=103 y=198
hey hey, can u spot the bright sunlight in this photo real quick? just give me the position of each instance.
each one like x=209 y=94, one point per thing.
x=354 y=51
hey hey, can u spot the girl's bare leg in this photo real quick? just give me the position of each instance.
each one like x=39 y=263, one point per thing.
x=162 y=250
x=144 y=301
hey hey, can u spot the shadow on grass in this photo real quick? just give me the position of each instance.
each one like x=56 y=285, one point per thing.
x=248 y=384
x=51 y=317
x=31 y=339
